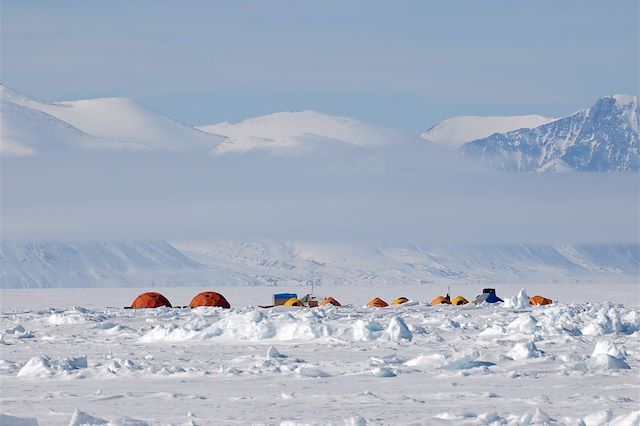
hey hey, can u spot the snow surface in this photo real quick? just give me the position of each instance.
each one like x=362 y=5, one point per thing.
x=566 y=363
x=454 y=132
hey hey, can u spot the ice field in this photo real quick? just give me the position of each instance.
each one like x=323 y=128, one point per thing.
x=75 y=357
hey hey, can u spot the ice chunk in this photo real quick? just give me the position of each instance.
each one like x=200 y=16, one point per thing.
x=599 y=418
x=7 y=420
x=398 y=330
x=272 y=352
x=38 y=366
x=310 y=371
x=521 y=301
x=526 y=350
x=382 y=372
x=631 y=419
x=607 y=362
x=608 y=348
x=524 y=324
x=80 y=418
x=426 y=360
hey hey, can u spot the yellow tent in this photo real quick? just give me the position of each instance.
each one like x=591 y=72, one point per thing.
x=400 y=301
x=459 y=301
x=293 y=302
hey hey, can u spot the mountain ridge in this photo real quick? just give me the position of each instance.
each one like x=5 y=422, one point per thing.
x=249 y=263
x=603 y=138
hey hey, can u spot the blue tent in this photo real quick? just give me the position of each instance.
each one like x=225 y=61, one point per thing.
x=281 y=298
x=489 y=297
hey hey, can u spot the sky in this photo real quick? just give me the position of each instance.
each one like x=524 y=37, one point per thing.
x=401 y=64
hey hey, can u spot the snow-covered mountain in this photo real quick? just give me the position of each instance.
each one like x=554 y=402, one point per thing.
x=106 y=264
x=292 y=130
x=158 y=263
x=27 y=131
x=454 y=132
x=30 y=126
x=604 y=138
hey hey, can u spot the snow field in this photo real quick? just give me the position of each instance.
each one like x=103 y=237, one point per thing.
x=489 y=364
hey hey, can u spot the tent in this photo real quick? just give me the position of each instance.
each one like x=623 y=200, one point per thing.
x=281 y=298
x=400 y=300
x=209 y=298
x=330 y=301
x=293 y=302
x=376 y=302
x=459 y=301
x=440 y=300
x=150 y=300
x=489 y=297
x=540 y=300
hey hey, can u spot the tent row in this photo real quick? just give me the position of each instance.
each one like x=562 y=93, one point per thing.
x=211 y=298
x=153 y=299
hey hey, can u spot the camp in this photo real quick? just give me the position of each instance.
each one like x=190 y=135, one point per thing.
x=400 y=301
x=459 y=301
x=540 y=300
x=330 y=301
x=209 y=298
x=488 y=296
x=293 y=302
x=150 y=300
x=376 y=302
x=440 y=300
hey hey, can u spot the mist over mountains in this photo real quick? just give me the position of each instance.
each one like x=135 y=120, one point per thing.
x=92 y=191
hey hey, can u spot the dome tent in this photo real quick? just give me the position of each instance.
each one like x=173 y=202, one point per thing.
x=293 y=302
x=330 y=301
x=376 y=302
x=540 y=300
x=209 y=298
x=150 y=299
x=459 y=300
x=400 y=300
x=441 y=300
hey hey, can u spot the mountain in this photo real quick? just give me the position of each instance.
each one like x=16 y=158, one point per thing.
x=27 y=131
x=454 y=132
x=105 y=264
x=604 y=138
x=284 y=131
x=31 y=126
x=215 y=263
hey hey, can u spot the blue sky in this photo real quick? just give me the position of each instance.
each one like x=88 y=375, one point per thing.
x=403 y=64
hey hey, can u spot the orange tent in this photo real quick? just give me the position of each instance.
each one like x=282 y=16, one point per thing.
x=330 y=300
x=150 y=300
x=441 y=301
x=377 y=303
x=209 y=298
x=539 y=300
